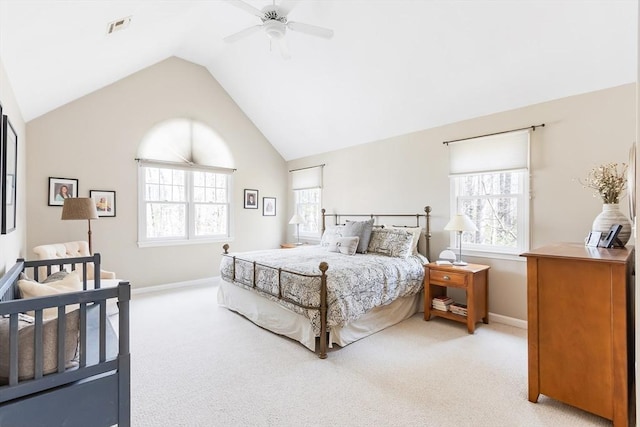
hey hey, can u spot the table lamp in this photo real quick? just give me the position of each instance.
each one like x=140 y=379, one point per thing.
x=297 y=220
x=80 y=208
x=460 y=223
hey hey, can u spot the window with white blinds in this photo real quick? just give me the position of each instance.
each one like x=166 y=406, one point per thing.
x=307 y=192
x=490 y=184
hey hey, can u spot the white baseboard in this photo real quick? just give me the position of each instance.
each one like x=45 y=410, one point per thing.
x=173 y=286
x=506 y=320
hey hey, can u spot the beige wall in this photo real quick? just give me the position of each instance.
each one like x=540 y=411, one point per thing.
x=95 y=139
x=12 y=245
x=405 y=173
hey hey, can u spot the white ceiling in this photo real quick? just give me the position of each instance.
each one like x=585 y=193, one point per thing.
x=393 y=66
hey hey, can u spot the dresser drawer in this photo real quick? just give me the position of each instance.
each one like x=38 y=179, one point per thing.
x=447 y=278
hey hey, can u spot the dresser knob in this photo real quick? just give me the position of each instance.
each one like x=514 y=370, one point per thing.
x=446 y=277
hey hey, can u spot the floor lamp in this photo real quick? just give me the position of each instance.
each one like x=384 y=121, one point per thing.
x=80 y=208
x=297 y=220
x=460 y=223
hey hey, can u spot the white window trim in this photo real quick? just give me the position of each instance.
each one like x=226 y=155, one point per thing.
x=144 y=242
x=524 y=228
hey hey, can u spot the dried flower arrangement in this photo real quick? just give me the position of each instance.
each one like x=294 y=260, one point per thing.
x=608 y=181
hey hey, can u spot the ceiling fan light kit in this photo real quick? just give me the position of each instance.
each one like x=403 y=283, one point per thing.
x=275 y=24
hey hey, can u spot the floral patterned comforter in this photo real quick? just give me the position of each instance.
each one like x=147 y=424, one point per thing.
x=355 y=284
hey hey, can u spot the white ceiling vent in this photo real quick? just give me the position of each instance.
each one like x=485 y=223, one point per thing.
x=118 y=25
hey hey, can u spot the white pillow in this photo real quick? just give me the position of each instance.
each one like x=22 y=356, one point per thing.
x=32 y=289
x=331 y=232
x=344 y=245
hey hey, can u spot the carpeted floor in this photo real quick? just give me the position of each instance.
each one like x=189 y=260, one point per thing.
x=197 y=364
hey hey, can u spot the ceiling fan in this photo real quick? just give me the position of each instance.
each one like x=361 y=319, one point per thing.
x=275 y=24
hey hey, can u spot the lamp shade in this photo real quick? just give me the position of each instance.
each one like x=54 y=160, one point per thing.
x=460 y=223
x=79 y=208
x=296 y=219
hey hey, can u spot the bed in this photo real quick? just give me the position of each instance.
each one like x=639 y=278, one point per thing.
x=61 y=361
x=344 y=289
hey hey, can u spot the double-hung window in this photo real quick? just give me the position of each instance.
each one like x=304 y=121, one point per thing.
x=183 y=201
x=307 y=190
x=490 y=184
x=183 y=204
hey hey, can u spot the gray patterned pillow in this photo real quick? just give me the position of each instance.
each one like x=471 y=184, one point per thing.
x=391 y=242
x=361 y=229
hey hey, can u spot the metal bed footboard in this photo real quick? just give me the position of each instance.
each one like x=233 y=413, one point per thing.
x=323 y=291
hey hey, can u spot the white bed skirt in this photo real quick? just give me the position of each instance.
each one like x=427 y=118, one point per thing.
x=276 y=318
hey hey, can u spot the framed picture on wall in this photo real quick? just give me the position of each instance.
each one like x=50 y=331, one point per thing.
x=269 y=206
x=251 y=199
x=60 y=189
x=105 y=202
x=8 y=178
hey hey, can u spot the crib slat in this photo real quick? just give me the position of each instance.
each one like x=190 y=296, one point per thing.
x=62 y=327
x=13 y=349
x=83 y=335
x=39 y=346
x=103 y=331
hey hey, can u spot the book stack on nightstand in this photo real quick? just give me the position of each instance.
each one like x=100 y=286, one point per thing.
x=442 y=303
x=457 y=308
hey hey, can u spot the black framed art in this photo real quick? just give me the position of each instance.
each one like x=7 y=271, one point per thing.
x=269 y=206
x=9 y=176
x=250 y=199
x=60 y=189
x=105 y=202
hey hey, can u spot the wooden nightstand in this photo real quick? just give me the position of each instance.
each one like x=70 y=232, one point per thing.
x=473 y=278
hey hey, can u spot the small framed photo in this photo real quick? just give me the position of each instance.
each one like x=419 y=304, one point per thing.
x=251 y=199
x=105 y=202
x=593 y=239
x=269 y=206
x=60 y=189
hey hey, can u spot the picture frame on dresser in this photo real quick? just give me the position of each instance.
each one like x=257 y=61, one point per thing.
x=105 y=201
x=60 y=189
x=593 y=239
x=8 y=179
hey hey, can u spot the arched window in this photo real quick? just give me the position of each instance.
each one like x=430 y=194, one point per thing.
x=185 y=179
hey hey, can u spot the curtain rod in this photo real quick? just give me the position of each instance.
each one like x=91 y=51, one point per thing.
x=308 y=167
x=532 y=127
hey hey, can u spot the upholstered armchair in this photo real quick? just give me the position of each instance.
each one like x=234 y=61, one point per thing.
x=68 y=250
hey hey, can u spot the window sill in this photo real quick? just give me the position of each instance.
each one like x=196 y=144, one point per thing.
x=182 y=242
x=490 y=255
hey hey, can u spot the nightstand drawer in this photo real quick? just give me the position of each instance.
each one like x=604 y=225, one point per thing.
x=447 y=278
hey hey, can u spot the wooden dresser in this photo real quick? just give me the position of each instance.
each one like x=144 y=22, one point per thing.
x=580 y=327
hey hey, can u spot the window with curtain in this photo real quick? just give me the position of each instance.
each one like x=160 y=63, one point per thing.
x=490 y=184
x=307 y=191
x=185 y=183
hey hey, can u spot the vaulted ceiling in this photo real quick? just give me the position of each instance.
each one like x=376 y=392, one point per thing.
x=392 y=67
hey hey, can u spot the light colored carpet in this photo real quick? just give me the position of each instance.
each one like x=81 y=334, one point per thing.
x=197 y=364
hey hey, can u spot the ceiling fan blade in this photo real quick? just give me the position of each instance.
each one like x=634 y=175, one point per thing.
x=246 y=7
x=286 y=6
x=284 y=48
x=242 y=34
x=310 y=29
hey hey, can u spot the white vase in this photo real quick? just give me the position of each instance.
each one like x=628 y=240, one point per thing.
x=610 y=215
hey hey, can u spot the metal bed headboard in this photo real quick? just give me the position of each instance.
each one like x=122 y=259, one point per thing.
x=426 y=215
